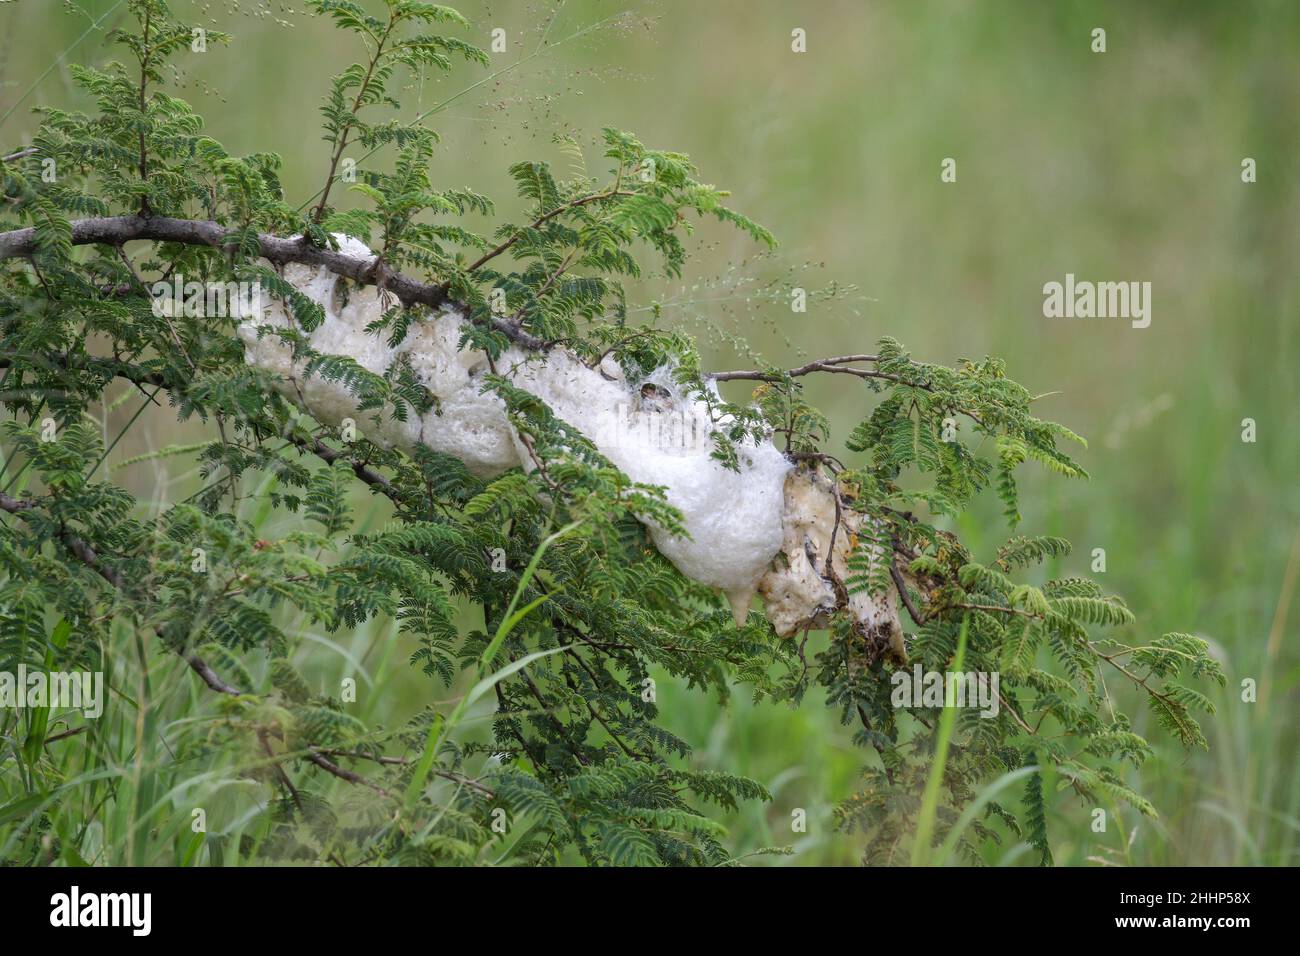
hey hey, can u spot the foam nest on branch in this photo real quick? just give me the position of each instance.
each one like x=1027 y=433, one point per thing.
x=765 y=529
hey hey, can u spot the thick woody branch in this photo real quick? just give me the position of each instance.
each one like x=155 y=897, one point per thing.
x=116 y=230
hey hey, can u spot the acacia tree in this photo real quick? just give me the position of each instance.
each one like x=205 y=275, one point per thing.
x=578 y=606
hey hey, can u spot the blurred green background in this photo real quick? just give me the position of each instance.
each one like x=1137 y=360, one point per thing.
x=1124 y=165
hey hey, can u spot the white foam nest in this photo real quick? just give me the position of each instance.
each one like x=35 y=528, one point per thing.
x=647 y=427
x=737 y=521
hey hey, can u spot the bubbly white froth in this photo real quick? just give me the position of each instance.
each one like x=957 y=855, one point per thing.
x=647 y=428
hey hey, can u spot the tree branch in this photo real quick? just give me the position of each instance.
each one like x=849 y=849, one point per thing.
x=342 y=773
x=314 y=445
x=451 y=775
x=210 y=677
x=839 y=363
x=541 y=221
x=87 y=556
x=342 y=141
x=116 y=230
x=901 y=585
x=80 y=549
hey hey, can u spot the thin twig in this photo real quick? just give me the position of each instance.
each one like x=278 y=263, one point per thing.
x=342 y=773
x=541 y=221
x=404 y=761
x=901 y=584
